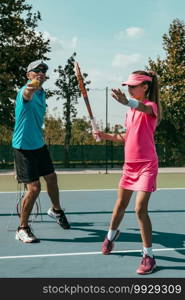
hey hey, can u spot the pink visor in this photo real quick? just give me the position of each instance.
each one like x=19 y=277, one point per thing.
x=136 y=79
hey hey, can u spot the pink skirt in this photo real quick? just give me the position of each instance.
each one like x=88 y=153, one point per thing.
x=139 y=176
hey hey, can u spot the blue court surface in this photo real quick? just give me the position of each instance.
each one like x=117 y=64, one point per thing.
x=76 y=253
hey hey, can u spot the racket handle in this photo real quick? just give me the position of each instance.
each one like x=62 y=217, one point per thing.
x=95 y=128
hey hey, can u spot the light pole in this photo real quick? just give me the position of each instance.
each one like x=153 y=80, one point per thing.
x=106 y=129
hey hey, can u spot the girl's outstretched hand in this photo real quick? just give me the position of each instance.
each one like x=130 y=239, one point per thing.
x=119 y=96
x=99 y=134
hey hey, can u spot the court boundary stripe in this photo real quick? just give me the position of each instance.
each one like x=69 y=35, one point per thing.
x=91 y=190
x=84 y=253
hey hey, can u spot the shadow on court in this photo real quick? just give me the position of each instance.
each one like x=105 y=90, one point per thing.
x=89 y=214
x=165 y=239
x=100 y=213
x=160 y=259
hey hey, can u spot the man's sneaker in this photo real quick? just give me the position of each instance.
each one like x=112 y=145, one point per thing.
x=107 y=245
x=147 y=265
x=60 y=217
x=25 y=235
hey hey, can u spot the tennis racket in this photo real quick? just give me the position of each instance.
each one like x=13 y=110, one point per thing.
x=86 y=99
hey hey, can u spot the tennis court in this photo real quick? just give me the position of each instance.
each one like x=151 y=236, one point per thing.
x=76 y=253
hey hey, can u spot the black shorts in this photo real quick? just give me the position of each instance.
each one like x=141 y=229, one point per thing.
x=31 y=164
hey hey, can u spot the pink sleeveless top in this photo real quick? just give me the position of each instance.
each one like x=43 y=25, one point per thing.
x=139 y=140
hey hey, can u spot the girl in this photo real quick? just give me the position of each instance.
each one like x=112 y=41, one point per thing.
x=141 y=163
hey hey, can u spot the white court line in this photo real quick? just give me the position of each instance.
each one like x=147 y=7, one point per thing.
x=44 y=191
x=84 y=253
x=92 y=190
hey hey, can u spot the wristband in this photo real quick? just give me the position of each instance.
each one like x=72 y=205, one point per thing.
x=133 y=103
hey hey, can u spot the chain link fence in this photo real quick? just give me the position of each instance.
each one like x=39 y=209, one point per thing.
x=83 y=156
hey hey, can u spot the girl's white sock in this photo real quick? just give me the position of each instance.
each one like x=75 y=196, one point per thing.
x=111 y=234
x=148 y=251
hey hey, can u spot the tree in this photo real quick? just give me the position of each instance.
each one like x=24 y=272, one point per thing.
x=5 y=135
x=68 y=89
x=54 y=131
x=82 y=132
x=19 y=45
x=171 y=70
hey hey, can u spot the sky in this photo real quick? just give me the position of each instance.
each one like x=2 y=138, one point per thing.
x=112 y=38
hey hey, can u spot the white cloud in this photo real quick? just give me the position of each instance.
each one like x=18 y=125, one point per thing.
x=134 y=31
x=100 y=79
x=53 y=39
x=59 y=44
x=74 y=42
x=130 y=32
x=122 y=60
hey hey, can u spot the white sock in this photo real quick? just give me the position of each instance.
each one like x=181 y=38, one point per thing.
x=148 y=251
x=111 y=234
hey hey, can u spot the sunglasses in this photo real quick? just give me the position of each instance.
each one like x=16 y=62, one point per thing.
x=38 y=70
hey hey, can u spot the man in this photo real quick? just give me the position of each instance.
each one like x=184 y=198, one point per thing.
x=32 y=159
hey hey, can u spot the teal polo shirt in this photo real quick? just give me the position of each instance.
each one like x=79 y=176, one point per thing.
x=29 y=118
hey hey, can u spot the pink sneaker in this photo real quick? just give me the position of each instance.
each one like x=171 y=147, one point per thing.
x=107 y=245
x=147 y=265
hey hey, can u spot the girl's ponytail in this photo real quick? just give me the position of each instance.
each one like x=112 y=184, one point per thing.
x=153 y=90
x=153 y=93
